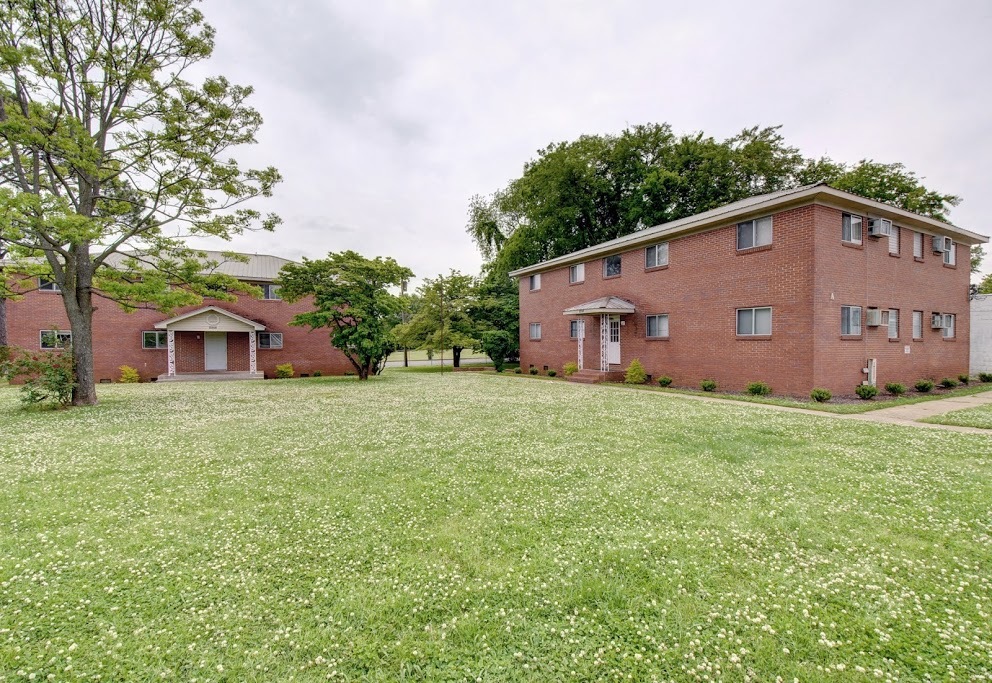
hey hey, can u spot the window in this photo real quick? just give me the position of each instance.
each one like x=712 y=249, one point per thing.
x=270 y=292
x=535 y=282
x=535 y=331
x=894 y=240
x=46 y=285
x=656 y=255
x=573 y=329
x=949 y=254
x=948 y=331
x=893 y=323
x=55 y=339
x=754 y=233
x=754 y=321
x=577 y=273
x=270 y=340
x=917 y=245
x=918 y=321
x=850 y=320
x=851 y=230
x=611 y=266
x=657 y=326
x=154 y=339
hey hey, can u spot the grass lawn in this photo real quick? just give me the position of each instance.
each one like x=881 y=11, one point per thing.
x=979 y=416
x=463 y=526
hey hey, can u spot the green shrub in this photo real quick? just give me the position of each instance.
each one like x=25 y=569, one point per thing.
x=517 y=371
x=552 y=373
x=758 y=389
x=866 y=392
x=570 y=369
x=895 y=388
x=129 y=375
x=924 y=385
x=284 y=371
x=820 y=395
x=635 y=373
x=964 y=379
x=948 y=383
x=499 y=346
x=985 y=377
x=318 y=373
x=665 y=381
x=708 y=385
x=533 y=370
x=48 y=377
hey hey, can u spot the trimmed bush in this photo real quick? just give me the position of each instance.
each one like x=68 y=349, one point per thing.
x=284 y=371
x=318 y=373
x=895 y=388
x=517 y=371
x=552 y=373
x=708 y=385
x=533 y=370
x=924 y=386
x=964 y=379
x=985 y=377
x=129 y=375
x=866 y=392
x=820 y=395
x=948 y=383
x=635 y=373
x=758 y=389
x=570 y=369
x=664 y=381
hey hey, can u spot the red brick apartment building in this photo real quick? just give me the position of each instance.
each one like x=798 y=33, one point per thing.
x=803 y=288
x=244 y=339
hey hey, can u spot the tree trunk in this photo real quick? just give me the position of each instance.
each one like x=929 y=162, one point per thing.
x=456 y=356
x=3 y=322
x=77 y=294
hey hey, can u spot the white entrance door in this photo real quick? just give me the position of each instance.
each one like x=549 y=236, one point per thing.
x=613 y=348
x=215 y=350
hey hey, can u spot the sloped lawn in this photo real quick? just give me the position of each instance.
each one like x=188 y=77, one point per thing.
x=464 y=527
x=979 y=416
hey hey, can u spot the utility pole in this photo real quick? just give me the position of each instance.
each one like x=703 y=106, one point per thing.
x=404 y=316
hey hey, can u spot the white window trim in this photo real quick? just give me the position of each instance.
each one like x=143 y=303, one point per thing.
x=535 y=282
x=950 y=255
x=850 y=217
x=65 y=336
x=270 y=345
x=657 y=336
x=159 y=334
x=918 y=248
x=270 y=292
x=532 y=327
x=754 y=233
x=918 y=315
x=578 y=270
x=895 y=240
x=656 y=247
x=606 y=260
x=846 y=314
x=949 y=330
x=893 y=317
x=753 y=332
x=46 y=285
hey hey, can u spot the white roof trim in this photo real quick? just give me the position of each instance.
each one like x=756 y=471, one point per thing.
x=755 y=206
x=216 y=309
x=606 y=304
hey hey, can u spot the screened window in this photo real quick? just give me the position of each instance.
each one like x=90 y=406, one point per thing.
x=851 y=231
x=535 y=282
x=917 y=323
x=894 y=240
x=46 y=285
x=918 y=245
x=754 y=233
x=657 y=325
x=535 y=331
x=55 y=339
x=893 y=323
x=949 y=255
x=154 y=339
x=948 y=331
x=656 y=255
x=577 y=273
x=850 y=320
x=270 y=340
x=754 y=321
x=611 y=266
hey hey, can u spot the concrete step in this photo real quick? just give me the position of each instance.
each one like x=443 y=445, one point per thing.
x=214 y=376
x=588 y=376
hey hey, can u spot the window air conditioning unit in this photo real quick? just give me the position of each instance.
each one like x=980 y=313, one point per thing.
x=873 y=317
x=939 y=244
x=937 y=321
x=879 y=227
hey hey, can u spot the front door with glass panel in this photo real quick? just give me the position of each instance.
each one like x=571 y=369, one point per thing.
x=613 y=350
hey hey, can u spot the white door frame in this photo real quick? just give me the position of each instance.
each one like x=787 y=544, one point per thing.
x=215 y=351
x=613 y=348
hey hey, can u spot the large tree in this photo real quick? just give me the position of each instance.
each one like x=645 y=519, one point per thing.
x=441 y=319
x=110 y=158
x=600 y=187
x=352 y=296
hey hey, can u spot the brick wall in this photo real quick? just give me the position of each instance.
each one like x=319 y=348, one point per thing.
x=708 y=279
x=117 y=336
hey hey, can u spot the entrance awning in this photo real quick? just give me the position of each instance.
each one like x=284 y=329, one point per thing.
x=210 y=319
x=608 y=304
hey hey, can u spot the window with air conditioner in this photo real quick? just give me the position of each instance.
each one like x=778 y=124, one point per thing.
x=879 y=227
x=873 y=317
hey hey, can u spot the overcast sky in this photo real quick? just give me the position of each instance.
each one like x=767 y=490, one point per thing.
x=386 y=117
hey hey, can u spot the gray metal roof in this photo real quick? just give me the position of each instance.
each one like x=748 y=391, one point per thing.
x=258 y=267
x=755 y=206
x=605 y=304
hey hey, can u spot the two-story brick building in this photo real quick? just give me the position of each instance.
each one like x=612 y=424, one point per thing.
x=802 y=288
x=243 y=339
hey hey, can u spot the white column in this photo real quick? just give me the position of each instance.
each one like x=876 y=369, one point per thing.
x=604 y=342
x=170 y=337
x=252 y=355
x=582 y=336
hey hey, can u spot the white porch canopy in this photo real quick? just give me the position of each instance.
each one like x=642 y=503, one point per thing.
x=606 y=307
x=211 y=319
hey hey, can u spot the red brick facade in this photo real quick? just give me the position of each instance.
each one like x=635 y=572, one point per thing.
x=805 y=275
x=117 y=337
